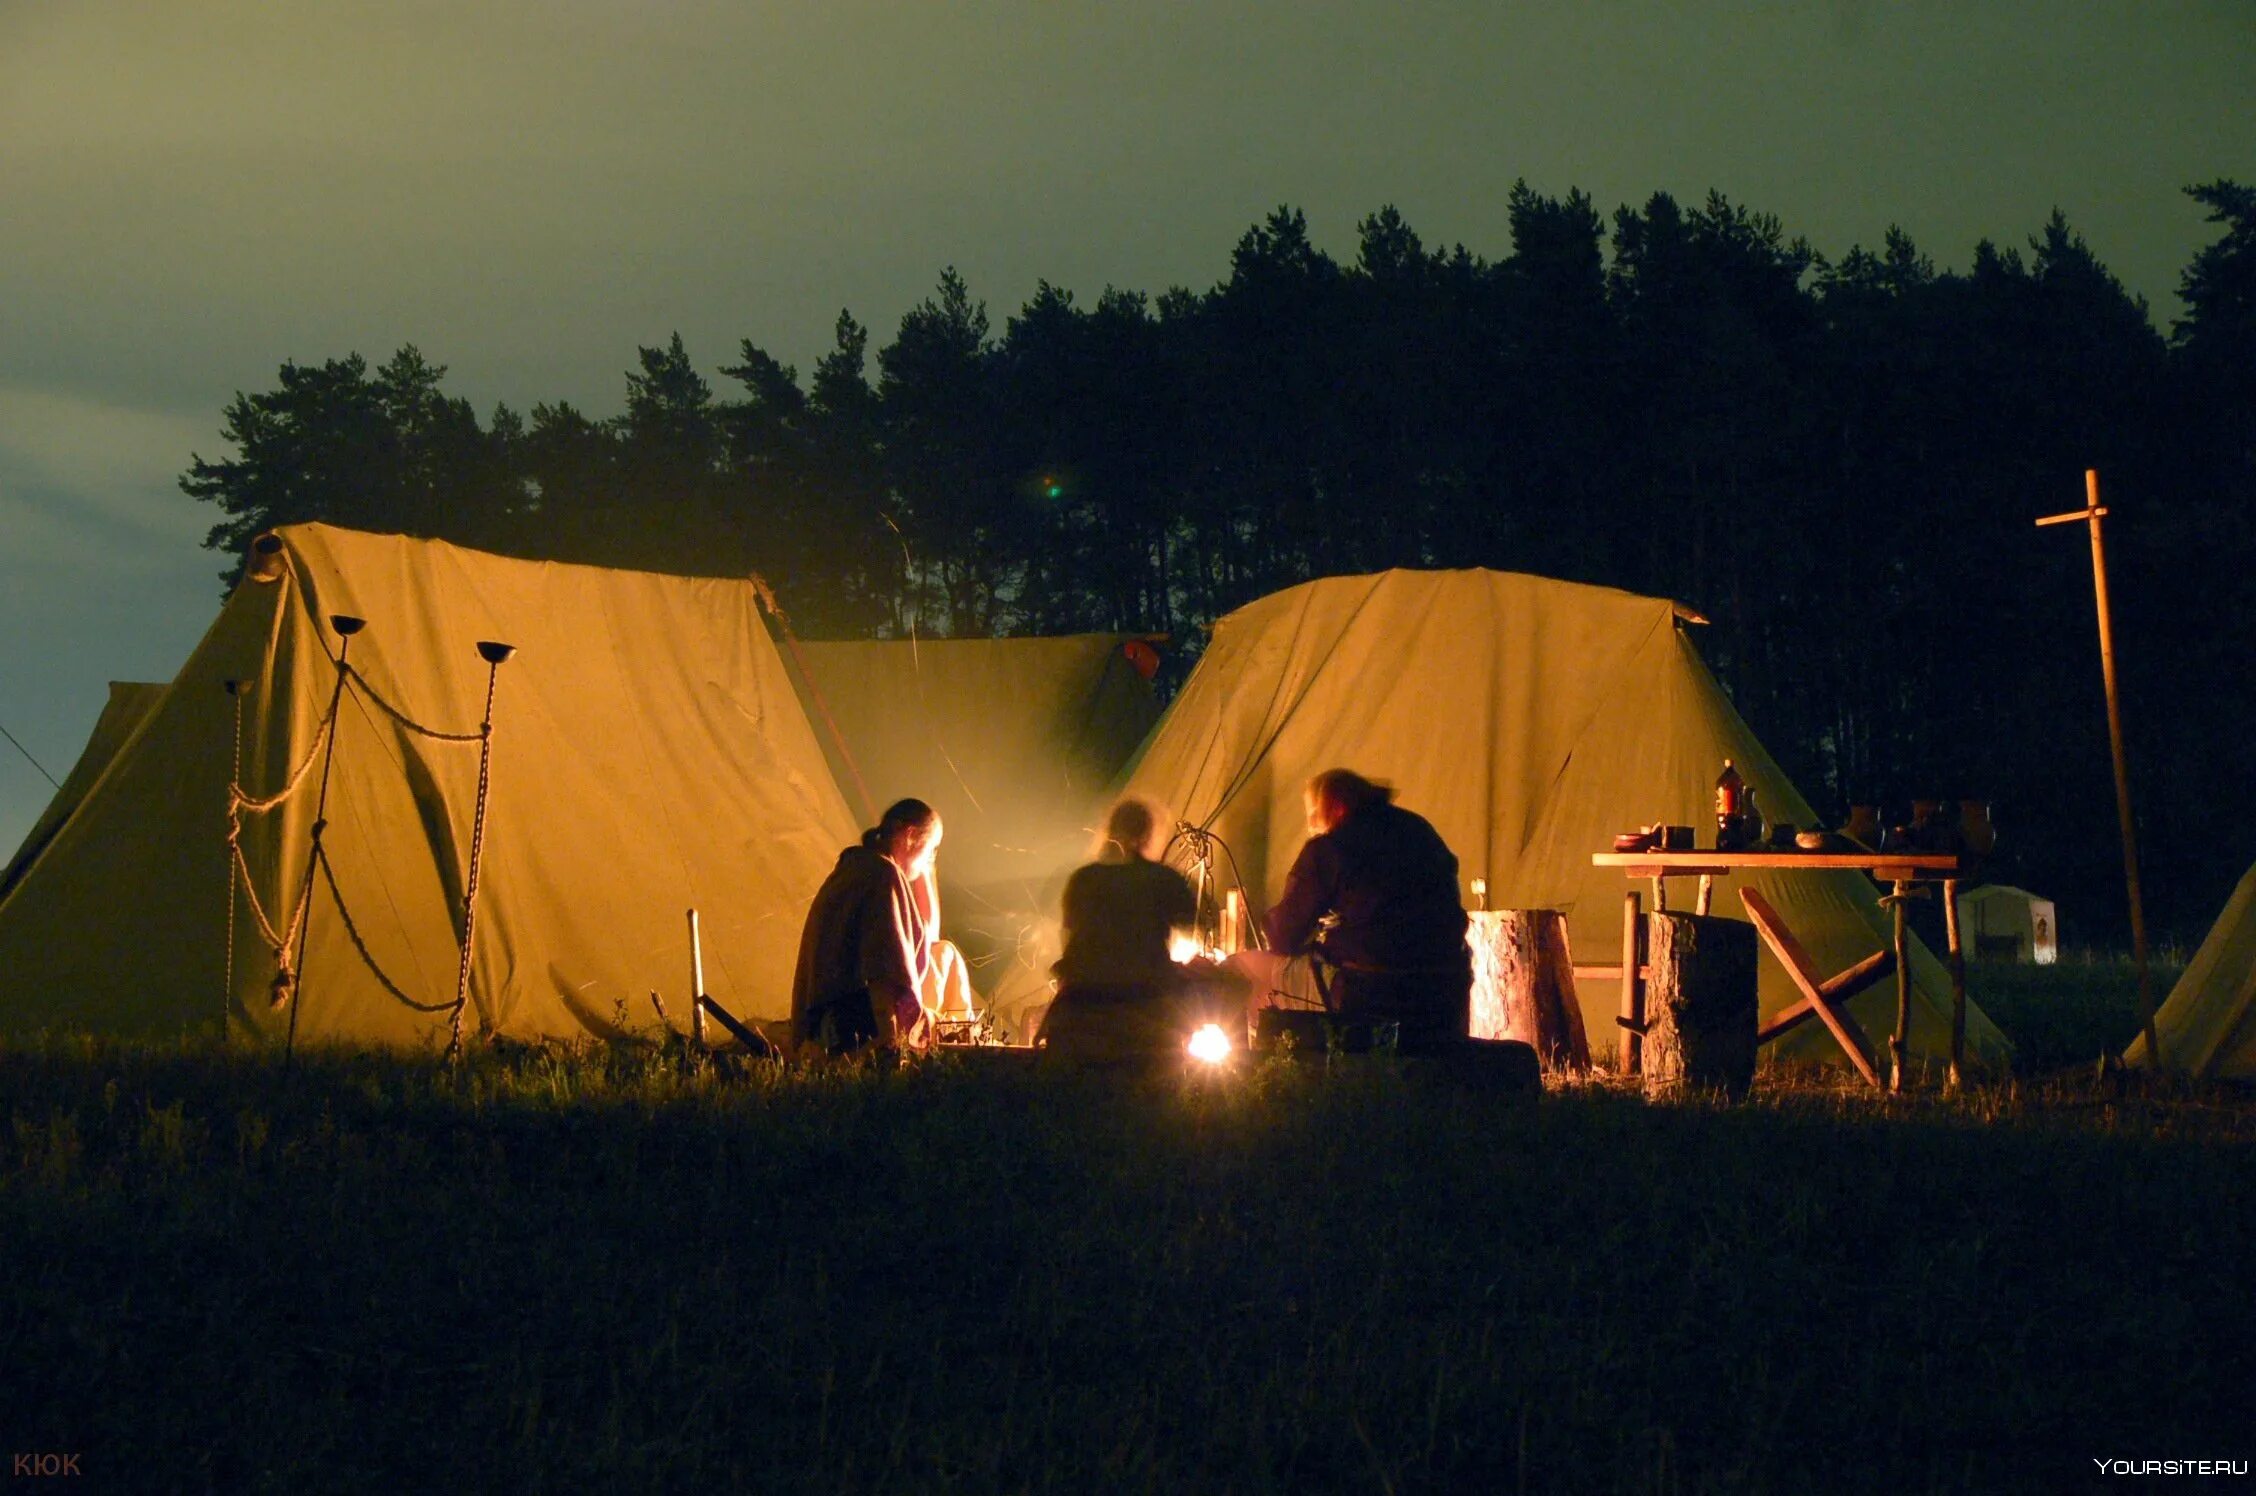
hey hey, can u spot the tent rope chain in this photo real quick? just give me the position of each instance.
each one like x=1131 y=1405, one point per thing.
x=375 y=697
x=240 y=803
x=237 y=804
x=493 y=654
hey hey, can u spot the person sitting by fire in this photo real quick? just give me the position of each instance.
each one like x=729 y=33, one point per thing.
x=866 y=948
x=1119 y=991
x=1370 y=926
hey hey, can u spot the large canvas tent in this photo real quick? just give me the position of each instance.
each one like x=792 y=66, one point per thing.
x=1530 y=720
x=128 y=706
x=648 y=756
x=2207 y=1025
x=1014 y=741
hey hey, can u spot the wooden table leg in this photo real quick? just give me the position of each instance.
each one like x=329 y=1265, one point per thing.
x=1660 y=894
x=1958 y=980
x=1707 y=894
x=1632 y=989
x=1826 y=999
x=1900 y=1043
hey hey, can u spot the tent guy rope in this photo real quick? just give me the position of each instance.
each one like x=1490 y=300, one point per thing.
x=26 y=752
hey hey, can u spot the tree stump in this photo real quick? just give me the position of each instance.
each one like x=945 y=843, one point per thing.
x=1700 y=1005
x=1524 y=987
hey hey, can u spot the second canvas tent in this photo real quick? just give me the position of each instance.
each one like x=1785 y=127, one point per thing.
x=1529 y=720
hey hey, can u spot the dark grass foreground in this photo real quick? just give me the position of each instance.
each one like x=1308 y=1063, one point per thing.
x=552 y=1273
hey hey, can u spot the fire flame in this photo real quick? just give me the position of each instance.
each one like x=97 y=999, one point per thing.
x=1210 y=1044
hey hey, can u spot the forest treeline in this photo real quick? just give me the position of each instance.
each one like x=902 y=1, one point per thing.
x=1836 y=460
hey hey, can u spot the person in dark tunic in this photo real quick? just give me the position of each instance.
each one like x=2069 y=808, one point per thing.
x=1372 y=901
x=1117 y=984
x=868 y=938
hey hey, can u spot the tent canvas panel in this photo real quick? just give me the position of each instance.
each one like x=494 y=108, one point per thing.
x=649 y=756
x=2207 y=1025
x=128 y=706
x=1529 y=720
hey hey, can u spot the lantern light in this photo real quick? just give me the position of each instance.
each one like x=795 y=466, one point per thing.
x=1210 y=1045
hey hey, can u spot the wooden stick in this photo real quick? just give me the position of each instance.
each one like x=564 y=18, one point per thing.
x=1834 y=990
x=2122 y=764
x=1958 y=981
x=1684 y=864
x=696 y=984
x=1899 y=1043
x=753 y=1041
x=1818 y=995
x=1706 y=898
x=1632 y=985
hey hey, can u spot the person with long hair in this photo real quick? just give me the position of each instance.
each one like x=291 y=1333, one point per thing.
x=867 y=943
x=1117 y=985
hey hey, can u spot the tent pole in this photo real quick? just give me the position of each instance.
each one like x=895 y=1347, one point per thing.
x=2092 y=513
x=767 y=597
x=234 y=689
x=494 y=654
x=346 y=626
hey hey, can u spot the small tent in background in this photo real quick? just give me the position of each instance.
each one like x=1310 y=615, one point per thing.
x=1998 y=922
x=1529 y=720
x=1014 y=741
x=2207 y=1025
x=649 y=756
x=129 y=705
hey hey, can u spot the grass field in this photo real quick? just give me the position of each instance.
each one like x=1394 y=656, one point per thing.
x=598 y=1272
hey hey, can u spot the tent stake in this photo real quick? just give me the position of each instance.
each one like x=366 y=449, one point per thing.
x=2092 y=513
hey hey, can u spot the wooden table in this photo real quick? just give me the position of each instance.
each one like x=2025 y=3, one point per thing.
x=1824 y=999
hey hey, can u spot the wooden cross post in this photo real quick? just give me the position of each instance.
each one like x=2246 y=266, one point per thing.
x=2092 y=513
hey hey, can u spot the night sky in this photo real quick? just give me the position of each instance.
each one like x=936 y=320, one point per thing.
x=192 y=192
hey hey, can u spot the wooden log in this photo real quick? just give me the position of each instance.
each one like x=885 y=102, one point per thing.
x=1524 y=987
x=1490 y=1018
x=1700 y=1007
x=1481 y=1065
